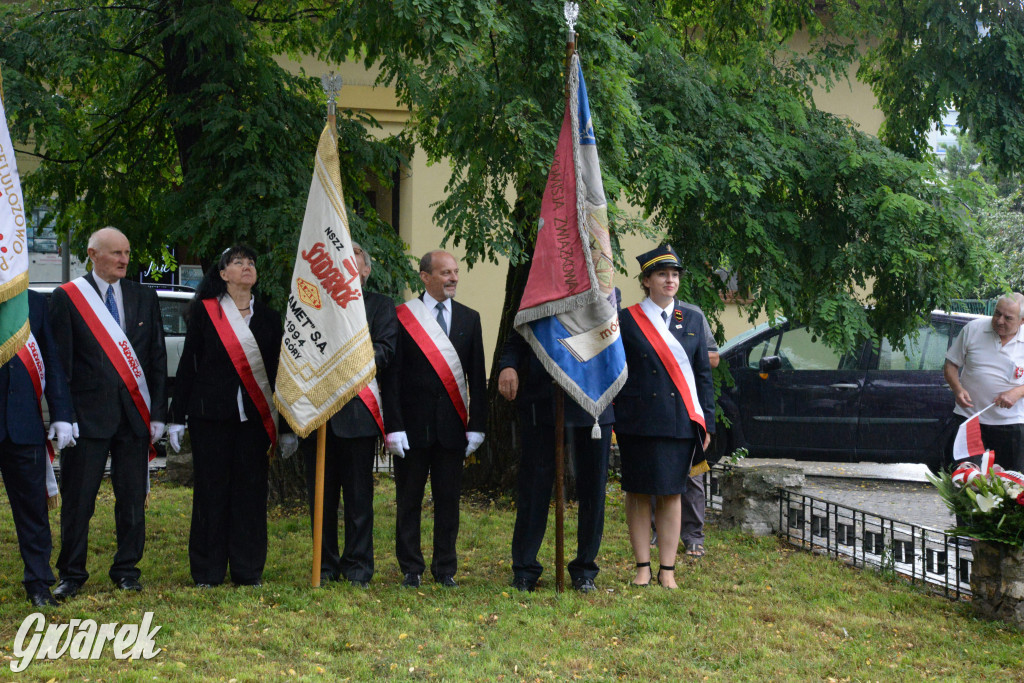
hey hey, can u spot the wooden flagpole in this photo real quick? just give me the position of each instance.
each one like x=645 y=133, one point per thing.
x=318 y=503
x=570 y=48
x=559 y=489
x=331 y=85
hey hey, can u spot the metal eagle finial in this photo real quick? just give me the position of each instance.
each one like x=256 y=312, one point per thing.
x=331 y=83
x=571 y=10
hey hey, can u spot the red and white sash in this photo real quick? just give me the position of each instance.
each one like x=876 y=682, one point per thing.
x=370 y=396
x=32 y=358
x=113 y=341
x=245 y=356
x=647 y=315
x=438 y=349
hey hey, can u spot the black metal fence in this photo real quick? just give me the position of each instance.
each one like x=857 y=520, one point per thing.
x=864 y=539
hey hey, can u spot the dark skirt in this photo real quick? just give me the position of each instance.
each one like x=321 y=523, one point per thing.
x=654 y=465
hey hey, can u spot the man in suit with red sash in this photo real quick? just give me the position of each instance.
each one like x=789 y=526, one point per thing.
x=351 y=451
x=23 y=452
x=110 y=339
x=435 y=414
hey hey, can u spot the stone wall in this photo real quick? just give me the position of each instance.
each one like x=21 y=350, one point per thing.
x=750 y=498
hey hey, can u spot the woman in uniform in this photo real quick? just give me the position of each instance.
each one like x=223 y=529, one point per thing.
x=663 y=412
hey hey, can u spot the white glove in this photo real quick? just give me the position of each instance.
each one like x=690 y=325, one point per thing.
x=287 y=444
x=74 y=429
x=397 y=444
x=474 y=439
x=63 y=432
x=174 y=434
x=156 y=430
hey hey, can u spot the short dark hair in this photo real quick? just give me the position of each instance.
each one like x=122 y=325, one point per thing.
x=212 y=284
x=427 y=262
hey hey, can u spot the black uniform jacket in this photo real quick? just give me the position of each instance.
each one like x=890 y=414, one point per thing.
x=354 y=419
x=98 y=392
x=649 y=403
x=20 y=420
x=535 y=396
x=417 y=402
x=206 y=386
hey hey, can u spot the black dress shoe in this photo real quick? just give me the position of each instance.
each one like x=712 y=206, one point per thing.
x=66 y=589
x=524 y=584
x=411 y=581
x=446 y=581
x=359 y=583
x=251 y=584
x=42 y=599
x=584 y=585
x=127 y=584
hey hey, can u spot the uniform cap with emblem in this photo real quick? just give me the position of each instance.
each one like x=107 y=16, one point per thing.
x=656 y=259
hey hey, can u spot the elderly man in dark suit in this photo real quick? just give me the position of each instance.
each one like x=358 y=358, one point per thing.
x=436 y=413
x=351 y=450
x=113 y=351
x=23 y=444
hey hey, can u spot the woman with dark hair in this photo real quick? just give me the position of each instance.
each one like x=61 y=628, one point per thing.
x=224 y=391
x=664 y=411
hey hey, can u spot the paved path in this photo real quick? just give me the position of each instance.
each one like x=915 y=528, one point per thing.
x=901 y=492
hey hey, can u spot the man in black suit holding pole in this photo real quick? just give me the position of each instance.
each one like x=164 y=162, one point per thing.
x=435 y=414
x=110 y=339
x=534 y=394
x=351 y=449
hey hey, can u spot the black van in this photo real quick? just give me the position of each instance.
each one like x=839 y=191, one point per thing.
x=795 y=397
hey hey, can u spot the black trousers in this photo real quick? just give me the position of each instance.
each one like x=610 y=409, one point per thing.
x=1007 y=441
x=229 y=501
x=24 y=471
x=536 y=478
x=348 y=472
x=444 y=467
x=81 y=471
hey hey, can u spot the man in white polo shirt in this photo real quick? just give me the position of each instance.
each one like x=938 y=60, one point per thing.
x=985 y=365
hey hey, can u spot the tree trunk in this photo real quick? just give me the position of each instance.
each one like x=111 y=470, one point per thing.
x=497 y=460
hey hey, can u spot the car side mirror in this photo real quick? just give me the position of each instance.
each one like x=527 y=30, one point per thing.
x=768 y=364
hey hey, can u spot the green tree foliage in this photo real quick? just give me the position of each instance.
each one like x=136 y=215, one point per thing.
x=930 y=55
x=704 y=118
x=1000 y=216
x=172 y=120
x=744 y=172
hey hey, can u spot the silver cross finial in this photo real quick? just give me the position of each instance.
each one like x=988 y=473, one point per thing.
x=571 y=10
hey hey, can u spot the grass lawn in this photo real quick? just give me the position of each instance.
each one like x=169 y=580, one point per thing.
x=752 y=609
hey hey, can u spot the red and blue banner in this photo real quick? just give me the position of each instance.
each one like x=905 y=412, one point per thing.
x=568 y=312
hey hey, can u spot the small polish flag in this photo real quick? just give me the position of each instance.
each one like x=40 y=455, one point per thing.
x=968 y=438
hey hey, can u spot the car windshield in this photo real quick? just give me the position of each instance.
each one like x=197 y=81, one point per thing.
x=742 y=336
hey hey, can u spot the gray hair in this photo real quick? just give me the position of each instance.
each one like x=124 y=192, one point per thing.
x=1013 y=298
x=367 y=259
